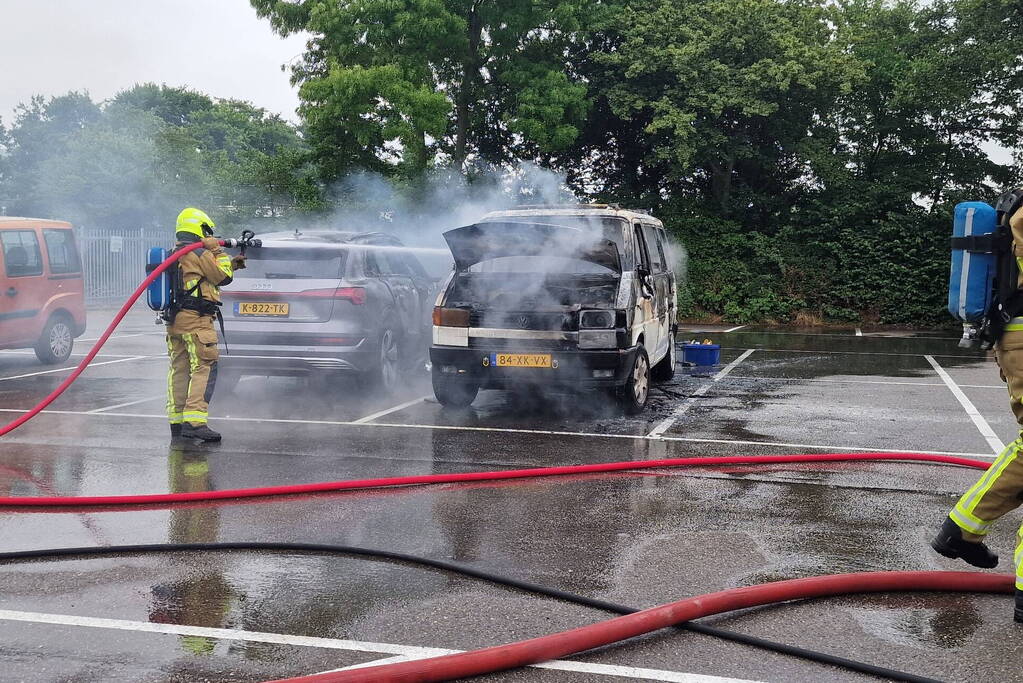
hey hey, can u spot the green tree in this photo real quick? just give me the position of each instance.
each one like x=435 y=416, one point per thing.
x=400 y=85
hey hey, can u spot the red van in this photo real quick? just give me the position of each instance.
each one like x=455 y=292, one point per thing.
x=42 y=294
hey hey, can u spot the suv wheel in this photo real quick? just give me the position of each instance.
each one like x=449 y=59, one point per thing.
x=634 y=394
x=665 y=370
x=386 y=374
x=56 y=341
x=453 y=393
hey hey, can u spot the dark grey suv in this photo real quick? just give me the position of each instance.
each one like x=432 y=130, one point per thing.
x=310 y=304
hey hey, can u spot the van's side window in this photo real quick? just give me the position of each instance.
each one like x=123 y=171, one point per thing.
x=654 y=247
x=641 y=254
x=21 y=253
x=662 y=248
x=61 y=252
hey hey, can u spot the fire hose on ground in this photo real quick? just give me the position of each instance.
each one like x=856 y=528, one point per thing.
x=553 y=646
x=603 y=633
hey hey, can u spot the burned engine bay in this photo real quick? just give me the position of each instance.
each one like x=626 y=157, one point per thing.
x=534 y=301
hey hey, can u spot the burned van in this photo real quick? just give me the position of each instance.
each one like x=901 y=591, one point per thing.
x=580 y=296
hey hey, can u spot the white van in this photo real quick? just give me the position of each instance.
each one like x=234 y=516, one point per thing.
x=579 y=295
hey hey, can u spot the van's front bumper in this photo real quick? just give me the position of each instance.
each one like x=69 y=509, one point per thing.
x=601 y=368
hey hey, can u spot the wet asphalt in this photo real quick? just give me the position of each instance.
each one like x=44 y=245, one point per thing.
x=641 y=537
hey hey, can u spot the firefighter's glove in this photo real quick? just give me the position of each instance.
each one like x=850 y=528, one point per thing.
x=211 y=243
x=238 y=262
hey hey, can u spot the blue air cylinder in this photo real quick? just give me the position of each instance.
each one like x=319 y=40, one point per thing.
x=158 y=292
x=971 y=282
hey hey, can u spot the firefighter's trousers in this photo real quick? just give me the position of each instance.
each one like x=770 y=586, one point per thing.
x=1000 y=489
x=192 y=345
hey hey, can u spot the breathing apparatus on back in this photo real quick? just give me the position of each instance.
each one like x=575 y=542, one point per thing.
x=167 y=294
x=984 y=284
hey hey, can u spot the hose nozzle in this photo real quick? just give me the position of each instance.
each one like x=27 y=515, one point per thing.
x=246 y=240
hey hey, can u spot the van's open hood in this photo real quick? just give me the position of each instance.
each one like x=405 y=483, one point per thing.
x=474 y=243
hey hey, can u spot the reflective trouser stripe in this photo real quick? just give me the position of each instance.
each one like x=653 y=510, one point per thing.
x=193 y=357
x=193 y=372
x=1015 y=325
x=962 y=514
x=173 y=414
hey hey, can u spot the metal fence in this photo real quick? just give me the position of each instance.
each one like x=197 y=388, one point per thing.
x=114 y=261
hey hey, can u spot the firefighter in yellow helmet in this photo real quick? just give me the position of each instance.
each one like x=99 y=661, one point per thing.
x=191 y=336
x=1000 y=489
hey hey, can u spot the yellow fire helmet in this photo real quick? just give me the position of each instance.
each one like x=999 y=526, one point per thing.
x=195 y=222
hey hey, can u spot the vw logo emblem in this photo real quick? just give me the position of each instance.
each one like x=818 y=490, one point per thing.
x=523 y=322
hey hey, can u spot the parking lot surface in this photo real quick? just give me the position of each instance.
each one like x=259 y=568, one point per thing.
x=638 y=537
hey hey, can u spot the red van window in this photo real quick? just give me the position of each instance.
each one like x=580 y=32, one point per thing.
x=61 y=252
x=21 y=253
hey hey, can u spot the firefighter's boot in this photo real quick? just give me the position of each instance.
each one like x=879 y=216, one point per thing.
x=202 y=432
x=950 y=543
x=1018 y=612
x=175 y=431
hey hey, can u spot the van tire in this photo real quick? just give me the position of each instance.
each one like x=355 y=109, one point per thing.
x=453 y=393
x=56 y=341
x=665 y=370
x=634 y=394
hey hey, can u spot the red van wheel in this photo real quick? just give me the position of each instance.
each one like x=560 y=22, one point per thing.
x=56 y=341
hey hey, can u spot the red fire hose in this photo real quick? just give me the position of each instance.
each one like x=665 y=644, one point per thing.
x=11 y=426
x=324 y=487
x=557 y=645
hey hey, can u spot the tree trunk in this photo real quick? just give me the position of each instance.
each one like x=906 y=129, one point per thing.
x=470 y=72
x=721 y=182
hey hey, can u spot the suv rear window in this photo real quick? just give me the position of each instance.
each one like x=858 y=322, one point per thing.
x=293 y=264
x=21 y=253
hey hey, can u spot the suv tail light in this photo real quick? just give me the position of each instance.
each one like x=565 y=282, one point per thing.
x=450 y=317
x=357 y=295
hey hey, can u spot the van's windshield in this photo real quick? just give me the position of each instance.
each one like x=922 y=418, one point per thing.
x=609 y=227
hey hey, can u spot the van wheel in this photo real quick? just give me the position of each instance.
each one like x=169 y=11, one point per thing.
x=452 y=393
x=633 y=396
x=56 y=341
x=665 y=370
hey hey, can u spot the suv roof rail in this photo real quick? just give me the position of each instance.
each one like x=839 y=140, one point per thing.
x=376 y=238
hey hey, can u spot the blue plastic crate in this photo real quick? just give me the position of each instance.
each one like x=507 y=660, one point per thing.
x=702 y=354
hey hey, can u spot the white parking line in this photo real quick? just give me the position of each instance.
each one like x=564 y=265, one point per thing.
x=69 y=369
x=76 y=354
x=388 y=411
x=123 y=336
x=821 y=352
x=510 y=430
x=796 y=380
x=405 y=651
x=126 y=404
x=985 y=429
x=666 y=423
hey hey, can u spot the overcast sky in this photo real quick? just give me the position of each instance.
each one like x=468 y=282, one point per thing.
x=219 y=47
